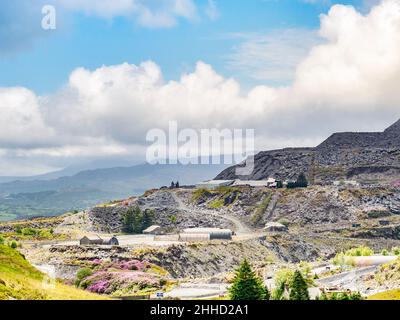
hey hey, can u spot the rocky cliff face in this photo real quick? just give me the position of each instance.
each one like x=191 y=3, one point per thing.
x=166 y=214
x=368 y=157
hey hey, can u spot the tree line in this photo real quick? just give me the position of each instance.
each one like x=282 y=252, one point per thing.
x=136 y=220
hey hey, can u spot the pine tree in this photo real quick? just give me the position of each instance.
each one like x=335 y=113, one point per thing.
x=127 y=224
x=147 y=219
x=299 y=288
x=301 y=181
x=247 y=285
x=137 y=220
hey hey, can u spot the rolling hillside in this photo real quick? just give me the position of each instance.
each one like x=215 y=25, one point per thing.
x=20 y=280
x=27 y=198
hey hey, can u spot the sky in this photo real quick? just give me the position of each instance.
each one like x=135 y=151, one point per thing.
x=293 y=70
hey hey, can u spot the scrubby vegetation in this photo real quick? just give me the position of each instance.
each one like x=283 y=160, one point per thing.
x=388 y=273
x=13 y=239
x=219 y=197
x=200 y=195
x=259 y=212
x=344 y=258
x=285 y=280
x=341 y=296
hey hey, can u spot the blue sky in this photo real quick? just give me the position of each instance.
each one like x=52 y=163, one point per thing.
x=44 y=59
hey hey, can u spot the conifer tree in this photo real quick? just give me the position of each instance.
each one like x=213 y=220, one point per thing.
x=299 y=288
x=128 y=221
x=301 y=181
x=247 y=285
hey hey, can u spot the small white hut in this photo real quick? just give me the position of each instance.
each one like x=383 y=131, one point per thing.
x=275 y=227
x=154 y=229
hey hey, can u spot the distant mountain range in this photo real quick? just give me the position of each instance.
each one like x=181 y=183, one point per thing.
x=53 y=194
x=371 y=158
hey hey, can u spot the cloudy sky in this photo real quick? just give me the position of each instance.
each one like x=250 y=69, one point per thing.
x=293 y=70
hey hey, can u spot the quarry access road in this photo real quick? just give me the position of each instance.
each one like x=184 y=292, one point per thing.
x=348 y=279
x=240 y=228
x=188 y=291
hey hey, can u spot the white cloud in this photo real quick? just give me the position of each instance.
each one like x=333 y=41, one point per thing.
x=348 y=82
x=212 y=10
x=21 y=121
x=154 y=13
x=101 y=8
x=273 y=56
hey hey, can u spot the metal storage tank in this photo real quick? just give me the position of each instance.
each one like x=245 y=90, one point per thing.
x=215 y=233
x=193 y=237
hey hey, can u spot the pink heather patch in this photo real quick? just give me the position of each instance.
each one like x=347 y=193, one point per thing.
x=129 y=276
x=99 y=287
x=96 y=261
x=396 y=183
x=132 y=265
x=141 y=279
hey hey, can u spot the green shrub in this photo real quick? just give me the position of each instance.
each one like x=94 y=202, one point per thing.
x=362 y=251
x=278 y=292
x=385 y=252
x=217 y=203
x=284 y=221
x=344 y=258
x=173 y=219
x=258 y=214
x=396 y=251
x=2 y=240
x=201 y=194
x=283 y=280
x=13 y=244
x=82 y=274
x=339 y=259
x=341 y=296
x=29 y=231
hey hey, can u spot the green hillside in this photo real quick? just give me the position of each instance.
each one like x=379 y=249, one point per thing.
x=20 y=280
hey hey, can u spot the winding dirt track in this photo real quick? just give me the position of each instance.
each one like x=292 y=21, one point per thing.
x=240 y=227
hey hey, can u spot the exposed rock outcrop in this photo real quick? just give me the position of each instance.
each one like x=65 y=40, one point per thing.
x=370 y=157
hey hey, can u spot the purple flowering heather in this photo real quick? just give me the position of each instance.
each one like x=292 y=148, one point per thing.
x=128 y=276
x=99 y=287
x=132 y=265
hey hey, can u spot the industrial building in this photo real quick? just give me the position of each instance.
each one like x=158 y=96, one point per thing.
x=213 y=184
x=213 y=233
x=85 y=241
x=154 y=229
